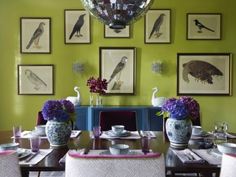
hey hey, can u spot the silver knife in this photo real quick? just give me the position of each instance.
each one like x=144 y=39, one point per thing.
x=31 y=157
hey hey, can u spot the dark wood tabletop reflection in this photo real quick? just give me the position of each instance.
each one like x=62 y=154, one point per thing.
x=159 y=144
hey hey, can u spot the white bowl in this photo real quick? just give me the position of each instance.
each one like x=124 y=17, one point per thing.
x=227 y=148
x=9 y=146
x=118 y=128
x=40 y=130
x=119 y=149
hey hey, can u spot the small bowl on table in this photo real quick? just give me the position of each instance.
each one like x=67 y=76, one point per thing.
x=227 y=148
x=119 y=149
x=9 y=146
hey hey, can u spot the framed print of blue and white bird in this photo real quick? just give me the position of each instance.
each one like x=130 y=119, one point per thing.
x=157 y=26
x=118 y=67
x=205 y=26
x=35 y=35
x=35 y=79
x=77 y=26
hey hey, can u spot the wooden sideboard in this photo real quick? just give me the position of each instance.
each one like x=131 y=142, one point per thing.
x=88 y=116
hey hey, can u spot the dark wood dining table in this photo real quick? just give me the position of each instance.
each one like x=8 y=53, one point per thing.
x=158 y=144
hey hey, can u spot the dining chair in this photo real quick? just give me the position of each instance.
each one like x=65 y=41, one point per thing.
x=98 y=165
x=9 y=164
x=228 y=165
x=40 y=119
x=126 y=118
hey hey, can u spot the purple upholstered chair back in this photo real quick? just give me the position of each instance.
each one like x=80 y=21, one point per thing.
x=126 y=118
x=40 y=119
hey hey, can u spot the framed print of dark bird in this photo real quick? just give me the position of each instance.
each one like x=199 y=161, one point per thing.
x=77 y=26
x=157 y=26
x=118 y=66
x=206 y=26
x=35 y=79
x=116 y=33
x=204 y=73
x=35 y=35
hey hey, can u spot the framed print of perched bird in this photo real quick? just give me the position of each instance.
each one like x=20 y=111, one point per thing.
x=157 y=26
x=35 y=79
x=35 y=35
x=204 y=26
x=77 y=26
x=117 y=66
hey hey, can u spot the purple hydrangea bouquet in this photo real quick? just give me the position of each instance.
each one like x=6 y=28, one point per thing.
x=58 y=110
x=181 y=108
x=97 y=85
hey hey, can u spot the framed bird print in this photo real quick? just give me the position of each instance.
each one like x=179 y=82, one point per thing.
x=35 y=79
x=157 y=26
x=35 y=35
x=204 y=26
x=118 y=66
x=77 y=26
x=204 y=73
x=116 y=33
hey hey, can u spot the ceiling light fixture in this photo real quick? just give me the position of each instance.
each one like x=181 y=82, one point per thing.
x=117 y=13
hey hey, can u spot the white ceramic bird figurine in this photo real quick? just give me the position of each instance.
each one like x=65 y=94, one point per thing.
x=73 y=99
x=157 y=101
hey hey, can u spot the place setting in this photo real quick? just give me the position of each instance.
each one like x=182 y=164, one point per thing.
x=119 y=132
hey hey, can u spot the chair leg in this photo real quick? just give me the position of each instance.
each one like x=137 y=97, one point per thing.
x=39 y=174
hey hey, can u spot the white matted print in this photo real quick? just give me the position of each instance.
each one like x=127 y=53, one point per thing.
x=157 y=26
x=116 y=33
x=77 y=26
x=35 y=35
x=204 y=26
x=204 y=74
x=117 y=66
x=35 y=80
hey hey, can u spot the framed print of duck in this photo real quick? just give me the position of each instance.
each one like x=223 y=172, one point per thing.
x=35 y=35
x=157 y=26
x=204 y=73
x=77 y=26
x=204 y=26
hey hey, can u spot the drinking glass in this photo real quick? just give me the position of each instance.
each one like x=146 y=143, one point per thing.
x=220 y=130
x=17 y=131
x=145 y=144
x=97 y=131
x=35 y=143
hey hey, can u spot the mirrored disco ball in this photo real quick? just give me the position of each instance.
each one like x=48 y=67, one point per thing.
x=117 y=13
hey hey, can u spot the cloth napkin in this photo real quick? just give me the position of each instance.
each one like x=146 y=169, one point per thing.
x=134 y=153
x=188 y=156
x=150 y=134
x=40 y=155
x=27 y=134
x=211 y=156
x=133 y=135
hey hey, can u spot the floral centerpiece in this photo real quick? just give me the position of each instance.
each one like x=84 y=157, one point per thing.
x=58 y=110
x=182 y=108
x=180 y=112
x=58 y=114
x=98 y=86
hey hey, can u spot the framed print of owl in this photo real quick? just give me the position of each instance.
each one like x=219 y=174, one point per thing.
x=35 y=35
x=157 y=26
x=77 y=26
x=118 y=66
x=35 y=79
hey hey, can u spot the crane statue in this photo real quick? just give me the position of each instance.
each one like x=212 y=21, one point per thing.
x=75 y=100
x=157 y=101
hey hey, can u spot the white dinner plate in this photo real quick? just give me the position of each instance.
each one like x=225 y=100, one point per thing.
x=131 y=152
x=22 y=153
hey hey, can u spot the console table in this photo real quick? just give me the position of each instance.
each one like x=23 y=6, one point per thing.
x=88 y=116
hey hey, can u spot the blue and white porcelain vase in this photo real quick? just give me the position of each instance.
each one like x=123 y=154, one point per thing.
x=58 y=133
x=179 y=132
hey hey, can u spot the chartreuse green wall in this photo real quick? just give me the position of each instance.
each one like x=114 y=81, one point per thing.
x=22 y=109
